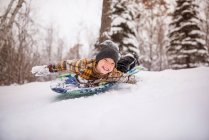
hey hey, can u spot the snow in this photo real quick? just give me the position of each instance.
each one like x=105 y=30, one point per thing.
x=178 y=18
x=184 y=24
x=181 y=56
x=201 y=41
x=131 y=39
x=188 y=42
x=203 y=52
x=178 y=66
x=192 y=51
x=185 y=4
x=187 y=12
x=163 y=105
x=195 y=20
x=196 y=32
x=176 y=29
x=117 y=21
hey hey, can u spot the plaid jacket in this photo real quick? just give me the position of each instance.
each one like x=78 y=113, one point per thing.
x=85 y=68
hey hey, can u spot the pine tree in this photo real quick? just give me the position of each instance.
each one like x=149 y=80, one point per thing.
x=123 y=28
x=121 y=19
x=187 y=47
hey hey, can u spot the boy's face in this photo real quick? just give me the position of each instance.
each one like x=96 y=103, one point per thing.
x=105 y=65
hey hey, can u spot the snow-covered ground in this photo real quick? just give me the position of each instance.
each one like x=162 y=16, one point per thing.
x=167 y=105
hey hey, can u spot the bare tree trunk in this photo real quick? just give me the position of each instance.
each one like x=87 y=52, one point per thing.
x=17 y=54
x=61 y=45
x=4 y=17
x=151 y=53
x=160 y=41
x=7 y=27
x=73 y=52
x=106 y=20
x=7 y=57
x=17 y=8
x=49 y=43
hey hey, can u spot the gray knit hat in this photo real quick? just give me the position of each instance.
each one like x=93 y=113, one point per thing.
x=108 y=50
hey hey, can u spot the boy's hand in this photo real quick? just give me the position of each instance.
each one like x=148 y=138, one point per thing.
x=132 y=79
x=40 y=70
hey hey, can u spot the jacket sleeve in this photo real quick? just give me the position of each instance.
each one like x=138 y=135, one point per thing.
x=72 y=66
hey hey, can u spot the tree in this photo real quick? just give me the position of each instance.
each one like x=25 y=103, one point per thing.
x=25 y=53
x=119 y=24
x=7 y=51
x=61 y=45
x=187 y=47
x=152 y=28
x=17 y=44
x=106 y=20
x=49 y=42
x=206 y=22
x=73 y=52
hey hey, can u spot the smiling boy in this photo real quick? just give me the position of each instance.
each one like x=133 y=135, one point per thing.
x=92 y=71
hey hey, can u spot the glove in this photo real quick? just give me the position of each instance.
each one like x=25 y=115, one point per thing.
x=40 y=70
x=132 y=79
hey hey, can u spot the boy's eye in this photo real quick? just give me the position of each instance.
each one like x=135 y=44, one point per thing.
x=108 y=62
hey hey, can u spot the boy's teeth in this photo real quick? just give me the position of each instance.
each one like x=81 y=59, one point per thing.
x=105 y=69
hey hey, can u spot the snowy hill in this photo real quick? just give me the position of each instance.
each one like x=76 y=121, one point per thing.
x=162 y=106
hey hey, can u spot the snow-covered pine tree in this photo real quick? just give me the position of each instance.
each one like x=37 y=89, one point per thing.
x=123 y=28
x=187 y=47
x=205 y=6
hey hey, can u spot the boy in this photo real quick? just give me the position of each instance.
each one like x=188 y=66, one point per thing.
x=91 y=71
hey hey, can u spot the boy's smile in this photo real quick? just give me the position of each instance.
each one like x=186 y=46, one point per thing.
x=106 y=69
x=105 y=66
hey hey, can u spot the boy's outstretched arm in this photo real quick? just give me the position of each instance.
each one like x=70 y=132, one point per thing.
x=72 y=66
x=45 y=70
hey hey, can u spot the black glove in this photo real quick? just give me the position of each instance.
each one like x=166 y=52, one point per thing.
x=126 y=63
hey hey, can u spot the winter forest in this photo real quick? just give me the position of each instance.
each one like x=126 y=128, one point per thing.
x=163 y=34
x=165 y=98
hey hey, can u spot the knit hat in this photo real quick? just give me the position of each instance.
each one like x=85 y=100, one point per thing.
x=108 y=50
